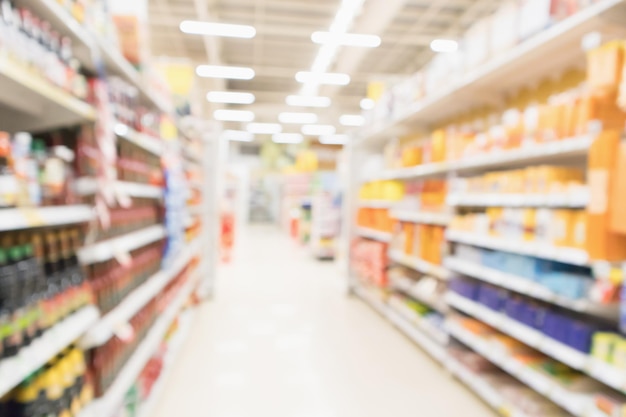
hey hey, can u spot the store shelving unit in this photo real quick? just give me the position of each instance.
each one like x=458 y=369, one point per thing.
x=406 y=285
x=108 y=249
x=89 y=186
x=544 y=54
x=374 y=234
x=14 y=370
x=376 y=204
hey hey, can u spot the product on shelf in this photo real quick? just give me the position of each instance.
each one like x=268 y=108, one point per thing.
x=108 y=360
x=32 y=43
x=112 y=282
x=369 y=261
x=556 y=227
x=425 y=242
x=382 y=190
x=134 y=164
x=565 y=327
x=41 y=283
x=376 y=219
x=61 y=388
x=123 y=220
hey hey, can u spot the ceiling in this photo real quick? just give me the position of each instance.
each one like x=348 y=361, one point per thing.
x=283 y=45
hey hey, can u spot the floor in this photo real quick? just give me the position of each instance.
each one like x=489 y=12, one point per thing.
x=282 y=339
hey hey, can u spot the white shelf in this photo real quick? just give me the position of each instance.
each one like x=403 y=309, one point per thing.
x=374 y=234
x=482 y=388
x=411 y=318
x=35 y=103
x=406 y=285
x=135 y=301
x=419 y=265
x=377 y=204
x=431 y=347
x=108 y=404
x=602 y=372
x=422 y=217
x=14 y=370
x=574 y=200
x=571 y=256
x=530 y=288
x=530 y=155
x=575 y=403
x=541 y=56
x=146 y=142
x=89 y=186
x=29 y=217
x=173 y=350
x=108 y=249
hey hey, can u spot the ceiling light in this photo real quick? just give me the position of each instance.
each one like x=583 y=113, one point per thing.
x=367 y=104
x=238 y=136
x=194 y=27
x=346 y=39
x=291 y=138
x=330 y=78
x=444 y=45
x=334 y=139
x=318 y=130
x=229 y=73
x=230 y=97
x=264 y=128
x=308 y=101
x=352 y=120
x=298 y=118
x=233 y=115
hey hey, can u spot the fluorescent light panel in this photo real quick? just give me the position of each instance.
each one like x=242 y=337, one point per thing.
x=352 y=120
x=334 y=139
x=264 y=128
x=229 y=73
x=298 y=118
x=367 y=104
x=444 y=45
x=318 y=130
x=330 y=78
x=290 y=138
x=346 y=39
x=233 y=115
x=238 y=136
x=230 y=97
x=308 y=101
x=194 y=27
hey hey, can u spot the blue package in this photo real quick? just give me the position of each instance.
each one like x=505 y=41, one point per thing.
x=580 y=336
x=565 y=284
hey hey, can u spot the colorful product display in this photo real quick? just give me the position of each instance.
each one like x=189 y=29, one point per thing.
x=376 y=219
x=382 y=190
x=425 y=242
x=61 y=388
x=41 y=283
x=369 y=261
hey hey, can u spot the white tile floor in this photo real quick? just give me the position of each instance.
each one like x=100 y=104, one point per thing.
x=281 y=339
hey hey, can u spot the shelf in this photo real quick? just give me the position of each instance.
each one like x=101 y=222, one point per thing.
x=34 y=103
x=14 y=370
x=603 y=372
x=419 y=265
x=30 y=217
x=376 y=204
x=576 y=200
x=483 y=389
x=406 y=285
x=422 y=217
x=413 y=319
x=580 y=405
x=431 y=347
x=148 y=143
x=173 y=351
x=105 y=329
x=549 y=152
x=571 y=256
x=108 y=249
x=107 y=405
x=88 y=186
x=530 y=288
x=374 y=234
x=542 y=55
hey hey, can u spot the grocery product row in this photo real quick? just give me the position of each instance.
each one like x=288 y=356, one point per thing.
x=503 y=216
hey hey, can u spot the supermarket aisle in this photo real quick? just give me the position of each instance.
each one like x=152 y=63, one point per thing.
x=281 y=339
